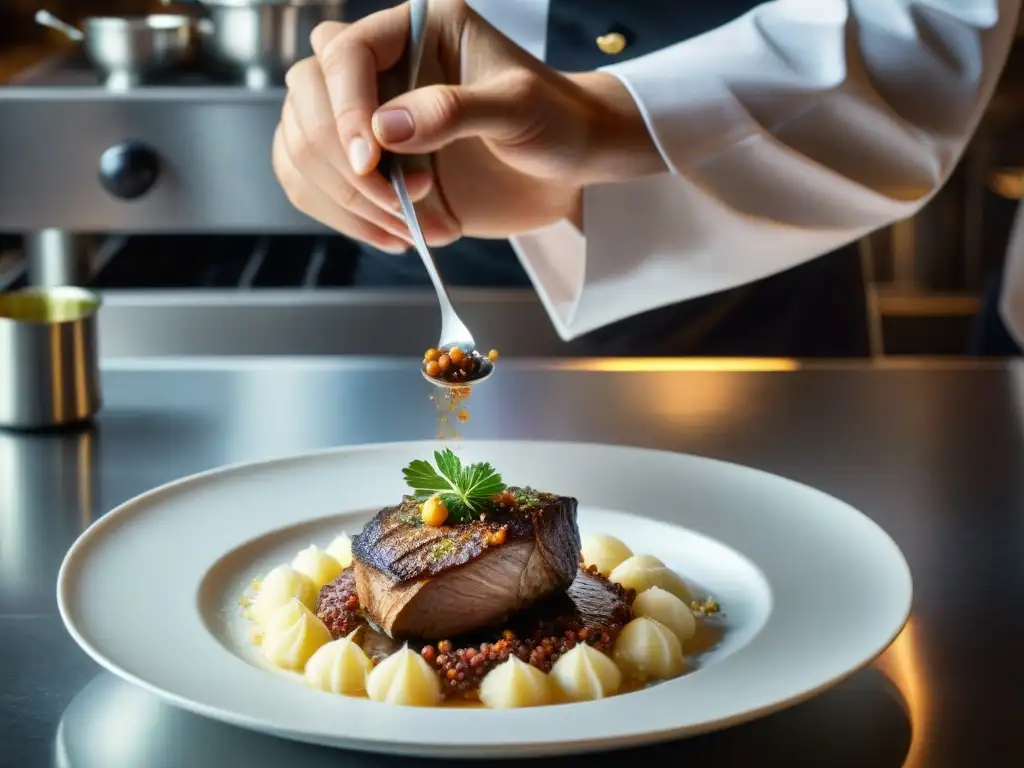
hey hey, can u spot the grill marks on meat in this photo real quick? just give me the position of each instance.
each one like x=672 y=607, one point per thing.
x=433 y=582
x=398 y=544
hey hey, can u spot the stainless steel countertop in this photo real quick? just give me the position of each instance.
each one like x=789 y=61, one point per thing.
x=935 y=454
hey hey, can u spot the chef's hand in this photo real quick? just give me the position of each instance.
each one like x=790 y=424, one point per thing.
x=513 y=141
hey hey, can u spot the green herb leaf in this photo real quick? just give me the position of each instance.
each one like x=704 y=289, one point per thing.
x=465 y=491
x=424 y=480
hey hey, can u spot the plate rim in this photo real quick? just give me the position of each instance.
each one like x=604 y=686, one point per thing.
x=535 y=747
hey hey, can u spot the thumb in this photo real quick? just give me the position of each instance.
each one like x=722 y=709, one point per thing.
x=422 y=121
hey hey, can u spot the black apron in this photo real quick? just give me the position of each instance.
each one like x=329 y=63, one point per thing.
x=817 y=309
x=990 y=336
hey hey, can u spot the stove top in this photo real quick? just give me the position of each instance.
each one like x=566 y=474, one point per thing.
x=172 y=262
x=73 y=71
x=203 y=143
x=247 y=262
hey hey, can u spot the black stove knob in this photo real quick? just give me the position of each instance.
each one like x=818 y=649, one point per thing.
x=129 y=170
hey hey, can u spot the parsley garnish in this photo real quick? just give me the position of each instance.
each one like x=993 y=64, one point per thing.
x=465 y=490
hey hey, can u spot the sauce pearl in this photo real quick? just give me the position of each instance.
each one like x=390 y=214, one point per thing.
x=434 y=512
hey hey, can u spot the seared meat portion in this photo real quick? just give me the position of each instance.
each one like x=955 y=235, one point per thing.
x=593 y=610
x=593 y=603
x=428 y=582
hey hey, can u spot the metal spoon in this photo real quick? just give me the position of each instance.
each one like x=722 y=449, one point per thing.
x=47 y=19
x=454 y=332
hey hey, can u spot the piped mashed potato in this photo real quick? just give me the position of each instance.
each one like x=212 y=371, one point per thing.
x=668 y=610
x=647 y=649
x=292 y=634
x=406 y=679
x=339 y=666
x=641 y=572
x=319 y=566
x=604 y=552
x=279 y=587
x=515 y=684
x=586 y=674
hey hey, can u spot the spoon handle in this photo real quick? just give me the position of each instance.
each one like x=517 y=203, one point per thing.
x=403 y=76
x=47 y=19
x=409 y=212
x=452 y=328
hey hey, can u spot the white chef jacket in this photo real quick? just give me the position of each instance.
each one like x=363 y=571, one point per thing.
x=794 y=130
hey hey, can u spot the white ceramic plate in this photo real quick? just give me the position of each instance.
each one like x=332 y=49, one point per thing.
x=811 y=591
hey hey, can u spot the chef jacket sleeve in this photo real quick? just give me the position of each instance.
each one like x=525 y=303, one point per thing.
x=787 y=133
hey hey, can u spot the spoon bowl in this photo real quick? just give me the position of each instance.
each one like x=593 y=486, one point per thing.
x=451 y=367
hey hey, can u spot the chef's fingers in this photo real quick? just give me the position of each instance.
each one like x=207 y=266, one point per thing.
x=310 y=201
x=307 y=92
x=316 y=152
x=502 y=95
x=508 y=109
x=352 y=58
x=308 y=159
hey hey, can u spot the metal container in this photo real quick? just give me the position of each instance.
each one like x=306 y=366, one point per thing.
x=134 y=51
x=55 y=257
x=49 y=364
x=131 y=51
x=257 y=41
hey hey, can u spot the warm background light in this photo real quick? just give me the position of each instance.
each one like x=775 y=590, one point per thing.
x=671 y=364
x=903 y=665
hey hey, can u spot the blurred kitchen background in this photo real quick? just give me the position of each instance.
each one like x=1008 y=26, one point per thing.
x=164 y=200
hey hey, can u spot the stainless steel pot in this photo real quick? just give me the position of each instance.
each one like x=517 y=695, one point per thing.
x=257 y=41
x=130 y=51
x=49 y=364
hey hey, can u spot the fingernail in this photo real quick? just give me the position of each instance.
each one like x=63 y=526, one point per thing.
x=359 y=154
x=394 y=250
x=394 y=125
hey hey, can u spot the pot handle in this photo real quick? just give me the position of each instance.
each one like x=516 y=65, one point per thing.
x=47 y=19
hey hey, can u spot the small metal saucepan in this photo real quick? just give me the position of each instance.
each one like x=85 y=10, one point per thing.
x=257 y=41
x=133 y=50
x=49 y=364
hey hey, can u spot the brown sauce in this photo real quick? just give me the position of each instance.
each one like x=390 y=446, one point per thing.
x=710 y=631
